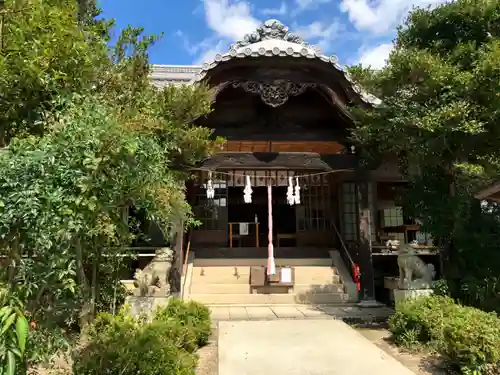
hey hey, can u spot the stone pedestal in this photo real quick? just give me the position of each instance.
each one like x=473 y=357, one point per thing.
x=145 y=305
x=401 y=295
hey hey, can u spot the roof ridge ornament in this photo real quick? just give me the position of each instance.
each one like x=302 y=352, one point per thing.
x=271 y=29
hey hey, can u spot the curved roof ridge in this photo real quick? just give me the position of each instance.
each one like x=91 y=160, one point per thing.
x=273 y=38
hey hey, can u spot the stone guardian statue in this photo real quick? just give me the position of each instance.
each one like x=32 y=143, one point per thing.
x=414 y=273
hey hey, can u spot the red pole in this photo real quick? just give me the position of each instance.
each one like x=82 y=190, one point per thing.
x=271 y=267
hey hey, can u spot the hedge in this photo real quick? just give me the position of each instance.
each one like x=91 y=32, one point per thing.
x=467 y=338
x=163 y=345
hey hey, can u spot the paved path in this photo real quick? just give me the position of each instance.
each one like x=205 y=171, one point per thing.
x=300 y=347
x=348 y=313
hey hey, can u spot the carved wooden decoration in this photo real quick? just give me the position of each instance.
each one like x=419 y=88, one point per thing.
x=274 y=93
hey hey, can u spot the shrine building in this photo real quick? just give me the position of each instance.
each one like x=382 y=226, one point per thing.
x=291 y=176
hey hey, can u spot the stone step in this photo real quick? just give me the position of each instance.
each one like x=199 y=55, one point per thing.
x=226 y=276
x=245 y=270
x=265 y=299
x=318 y=288
x=241 y=275
x=252 y=262
x=315 y=270
x=201 y=288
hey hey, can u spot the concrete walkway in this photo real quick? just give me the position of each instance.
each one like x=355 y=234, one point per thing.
x=300 y=347
x=273 y=312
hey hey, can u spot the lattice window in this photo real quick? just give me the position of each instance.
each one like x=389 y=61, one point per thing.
x=212 y=212
x=314 y=212
x=349 y=211
x=392 y=217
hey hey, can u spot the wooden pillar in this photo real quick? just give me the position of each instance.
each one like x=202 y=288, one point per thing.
x=365 y=217
x=177 y=264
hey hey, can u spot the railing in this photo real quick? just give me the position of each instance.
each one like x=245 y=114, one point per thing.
x=345 y=252
x=185 y=265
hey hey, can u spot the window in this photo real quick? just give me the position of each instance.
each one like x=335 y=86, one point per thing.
x=350 y=208
x=314 y=212
x=349 y=211
x=212 y=212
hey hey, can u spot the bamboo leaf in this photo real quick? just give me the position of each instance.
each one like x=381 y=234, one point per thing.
x=16 y=351
x=11 y=364
x=21 y=332
x=4 y=310
x=7 y=313
x=8 y=323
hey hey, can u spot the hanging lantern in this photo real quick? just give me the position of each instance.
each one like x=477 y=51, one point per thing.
x=297 y=191
x=247 y=193
x=210 y=187
x=289 y=193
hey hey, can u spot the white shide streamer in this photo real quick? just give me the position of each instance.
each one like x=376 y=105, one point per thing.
x=297 y=191
x=289 y=193
x=247 y=193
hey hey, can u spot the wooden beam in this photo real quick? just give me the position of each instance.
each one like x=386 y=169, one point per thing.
x=320 y=147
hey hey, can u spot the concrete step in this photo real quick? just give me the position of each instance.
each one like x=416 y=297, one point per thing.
x=221 y=275
x=241 y=275
x=316 y=275
x=238 y=262
x=318 y=288
x=265 y=299
x=201 y=288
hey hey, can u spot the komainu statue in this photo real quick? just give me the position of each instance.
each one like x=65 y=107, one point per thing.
x=153 y=280
x=413 y=272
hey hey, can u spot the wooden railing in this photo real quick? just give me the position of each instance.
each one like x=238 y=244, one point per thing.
x=345 y=251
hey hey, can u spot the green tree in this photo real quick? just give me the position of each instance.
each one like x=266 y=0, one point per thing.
x=441 y=111
x=88 y=137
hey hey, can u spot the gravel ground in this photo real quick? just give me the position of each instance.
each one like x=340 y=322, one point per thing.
x=208 y=356
x=420 y=364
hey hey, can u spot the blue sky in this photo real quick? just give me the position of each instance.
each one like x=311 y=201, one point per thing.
x=196 y=30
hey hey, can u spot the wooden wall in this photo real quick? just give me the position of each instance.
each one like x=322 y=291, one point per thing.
x=320 y=147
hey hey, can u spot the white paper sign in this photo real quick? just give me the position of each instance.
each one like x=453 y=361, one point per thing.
x=286 y=275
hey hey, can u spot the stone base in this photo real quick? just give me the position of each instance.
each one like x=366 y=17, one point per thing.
x=145 y=305
x=401 y=295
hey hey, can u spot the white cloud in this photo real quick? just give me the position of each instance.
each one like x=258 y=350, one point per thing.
x=303 y=5
x=209 y=53
x=376 y=57
x=230 y=20
x=380 y=16
x=322 y=33
x=281 y=11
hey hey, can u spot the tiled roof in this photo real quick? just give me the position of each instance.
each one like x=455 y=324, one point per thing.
x=162 y=75
x=269 y=40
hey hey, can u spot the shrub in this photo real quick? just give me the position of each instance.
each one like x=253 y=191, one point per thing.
x=192 y=314
x=421 y=321
x=472 y=340
x=128 y=346
x=13 y=333
x=45 y=341
x=467 y=338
